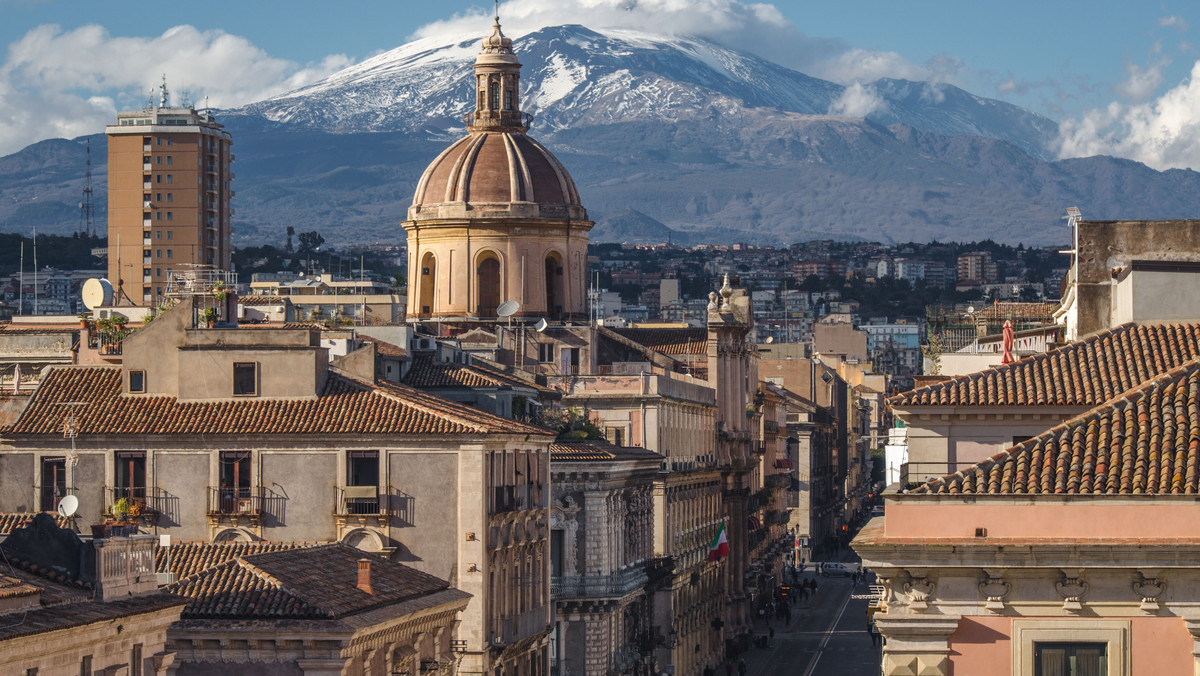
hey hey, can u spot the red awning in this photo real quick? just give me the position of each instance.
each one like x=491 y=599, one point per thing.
x=783 y=463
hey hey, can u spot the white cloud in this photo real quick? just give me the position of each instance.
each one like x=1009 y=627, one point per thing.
x=1176 y=21
x=1163 y=133
x=759 y=28
x=1140 y=83
x=68 y=83
x=857 y=100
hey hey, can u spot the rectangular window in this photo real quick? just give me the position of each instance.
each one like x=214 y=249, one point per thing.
x=545 y=352
x=169 y=160
x=508 y=99
x=158 y=253
x=170 y=197
x=158 y=178
x=130 y=475
x=168 y=141
x=362 y=483
x=170 y=179
x=158 y=234
x=169 y=252
x=135 y=660
x=158 y=216
x=1070 y=659
x=54 y=482
x=169 y=234
x=556 y=552
x=158 y=160
x=245 y=379
x=235 y=475
x=170 y=215
x=85 y=666
x=137 y=381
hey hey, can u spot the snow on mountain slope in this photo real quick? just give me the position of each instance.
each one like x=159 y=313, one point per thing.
x=576 y=75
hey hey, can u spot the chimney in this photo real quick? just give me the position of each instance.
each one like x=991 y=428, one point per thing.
x=364 y=575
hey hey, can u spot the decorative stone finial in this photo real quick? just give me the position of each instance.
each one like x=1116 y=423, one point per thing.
x=712 y=301
x=726 y=292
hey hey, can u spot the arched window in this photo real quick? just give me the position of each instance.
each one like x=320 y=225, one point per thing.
x=554 y=286
x=425 y=283
x=487 y=285
x=508 y=99
x=495 y=92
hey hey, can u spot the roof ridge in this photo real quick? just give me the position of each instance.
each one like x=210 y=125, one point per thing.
x=1118 y=402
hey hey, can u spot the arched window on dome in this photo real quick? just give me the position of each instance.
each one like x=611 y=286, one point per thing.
x=426 y=282
x=508 y=99
x=554 y=286
x=494 y=88
x=487 y=284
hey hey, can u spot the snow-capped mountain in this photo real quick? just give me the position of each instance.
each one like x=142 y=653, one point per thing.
x=577 y=76
x=715 y=144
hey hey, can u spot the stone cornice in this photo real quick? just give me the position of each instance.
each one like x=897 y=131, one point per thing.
x=1031 y=555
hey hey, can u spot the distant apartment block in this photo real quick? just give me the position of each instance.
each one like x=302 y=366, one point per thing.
x=168 y=197
x=978 y=266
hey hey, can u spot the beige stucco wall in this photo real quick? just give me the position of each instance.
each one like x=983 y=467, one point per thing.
x=457 y=247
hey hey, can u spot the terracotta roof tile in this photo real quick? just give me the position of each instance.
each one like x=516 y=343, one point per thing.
x=384 y=348
x=313 y=582
x=9 y=521
x=192 y=558
x=345 y=406
x=669 y=341
x=1084 y=373
x=252 y=300
x=67 y=616
x=597 y=451
x=426 y=372
x=1143 y=442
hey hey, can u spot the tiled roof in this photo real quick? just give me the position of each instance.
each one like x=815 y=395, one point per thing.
x=426 y=372
x=38 y=329
x=10 y=521
x=1144 y=442
x=669 y=341
x=67 y=616
x=597 y=451
x=1084 y=373
x=345 y=406
x=190 y=558
x=260 y=300
x=1018 y=311
x=384 y=348
x=313 y=582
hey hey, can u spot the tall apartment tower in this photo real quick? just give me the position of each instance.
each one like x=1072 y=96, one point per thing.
x=168 y=197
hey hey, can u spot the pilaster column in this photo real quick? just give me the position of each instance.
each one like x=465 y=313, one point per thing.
x=916 y=645
x=1193 y=627
x=598 y=529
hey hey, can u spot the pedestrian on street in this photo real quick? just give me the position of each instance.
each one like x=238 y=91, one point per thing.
x=741 y=667
x=874 y=636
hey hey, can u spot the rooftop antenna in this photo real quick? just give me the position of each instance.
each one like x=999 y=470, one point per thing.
x=164 y=97
x=86 y=210
x=1073 y=218
x=497 y=11
x=71 y=428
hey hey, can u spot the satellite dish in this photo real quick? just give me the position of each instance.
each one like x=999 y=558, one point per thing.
x=970 y=309
x=770 y=339
x=67 y=506
x=97 y=293
x=508 y=308
x=541 y=325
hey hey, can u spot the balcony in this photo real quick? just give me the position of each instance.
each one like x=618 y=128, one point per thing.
x=359 y=500
x=516 y=498
x=135 y=503
x=241 y=501
x=616 y=585
x=524 y=625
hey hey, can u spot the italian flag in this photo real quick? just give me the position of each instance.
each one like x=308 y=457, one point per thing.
x=719 y=546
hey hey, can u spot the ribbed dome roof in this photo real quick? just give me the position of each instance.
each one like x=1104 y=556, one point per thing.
x=497 y=171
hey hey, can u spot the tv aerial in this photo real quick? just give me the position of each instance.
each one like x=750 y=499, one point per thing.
x=68 y=506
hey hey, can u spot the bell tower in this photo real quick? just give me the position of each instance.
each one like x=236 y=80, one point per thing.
x=497 y=85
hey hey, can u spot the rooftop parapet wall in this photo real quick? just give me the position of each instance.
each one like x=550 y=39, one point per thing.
x=643 y=385
x=1101 y=518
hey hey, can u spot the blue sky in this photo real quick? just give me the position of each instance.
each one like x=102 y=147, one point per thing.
x=1118 y=75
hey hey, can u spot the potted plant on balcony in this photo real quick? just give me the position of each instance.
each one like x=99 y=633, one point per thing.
x=209 y=316
x=85 y=319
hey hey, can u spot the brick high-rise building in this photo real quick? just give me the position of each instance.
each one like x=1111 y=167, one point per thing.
x=168 y=197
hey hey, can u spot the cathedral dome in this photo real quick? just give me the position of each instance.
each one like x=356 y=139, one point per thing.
x=496 y=171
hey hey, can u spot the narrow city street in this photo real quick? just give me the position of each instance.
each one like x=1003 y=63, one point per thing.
x=826 y=636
